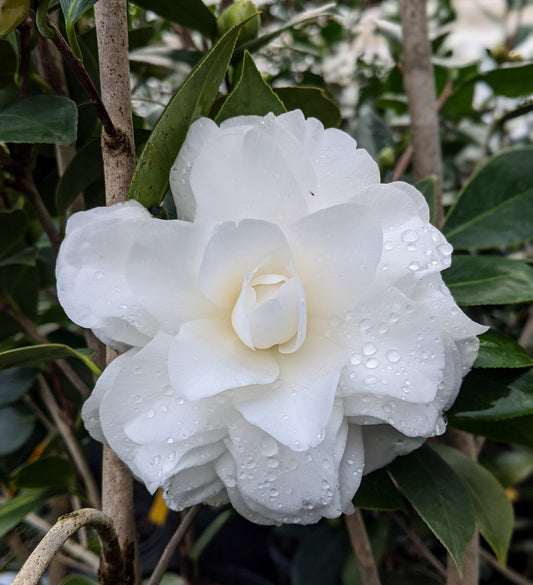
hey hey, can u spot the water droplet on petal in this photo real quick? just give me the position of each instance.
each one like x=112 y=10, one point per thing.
x=369 y=348
x=414 y=266
x=99 y=275
x=356 y=359
x=269 y=446
x=445 y=249
x=150 y=413
x=393 y=356
x=371 y=363
x=409 y=236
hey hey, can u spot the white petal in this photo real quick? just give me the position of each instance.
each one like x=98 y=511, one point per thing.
x=351 y=467
x=336 y=253
x=279 y=485
x=235 y=250
x=91 y=282
x=162 y=272
x=192 y=486
x=207 y=357
x=383 y=444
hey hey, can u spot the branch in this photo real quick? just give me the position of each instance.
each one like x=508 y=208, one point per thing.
x=173 y=544
x=361 y=547
x=419 y=84
x=507 y=572
x=64 y=528
x=70 y=442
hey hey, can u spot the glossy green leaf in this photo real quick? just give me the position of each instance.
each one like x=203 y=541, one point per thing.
x=377 y=492
x=517 y=431
x=48 y=119
x=314 y=103
x=38 y=354
x=16 y=427
x=12 y=225
x=494 y=207
x=73 y=9
x=14 y=382
x=84 y=169
x=494 y=395
x=303 y=18
x=189 y=13
x=427 y=188
x=192 y=100
x=15 y=510
x=511 y=80
x=494 y=512
x=439 y=497
x=498 y=351
x=251 y=95
x=43 y=473
x=489 y=280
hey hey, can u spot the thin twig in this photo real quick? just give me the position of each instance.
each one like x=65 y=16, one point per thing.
x=70 y=442
x=32 y=331
x=173 y=544
x=507 y=572
x=64 y=528
x=361 y=547
x=420 y=546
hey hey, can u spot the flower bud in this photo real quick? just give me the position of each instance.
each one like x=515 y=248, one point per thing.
x=12 y=13
x=235 y=14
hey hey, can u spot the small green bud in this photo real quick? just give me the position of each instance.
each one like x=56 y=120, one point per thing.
x=12 y=13
x=237 y=13
x=386 y=157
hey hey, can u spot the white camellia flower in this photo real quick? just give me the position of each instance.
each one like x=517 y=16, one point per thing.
x=290 y=333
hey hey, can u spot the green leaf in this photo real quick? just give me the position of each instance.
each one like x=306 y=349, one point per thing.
x=372 y=133
x=325 y=547
x=510 y=467
x=84 y=169
x=498 y=351
x=26 y=257
x=314 y=103
x=12 y=13
x=439 y=497
x=73 y=9
x=209 y=533
x=302 y=18
x=377 y=492
x=8 y=63
x=15 y=510
x=189 y=13
x=12 y=225
x=489 y=280
x=14 y=382
x=427 y=188
x=251 y=95
x=43 y=473
x=16 y=427
x=192 y=101
x=37 y=354
x=494 y=207
x=47 y=119
x=494 y=512
x=77 y=580
x=512 y=80
x=517 y=431
x=492 y=396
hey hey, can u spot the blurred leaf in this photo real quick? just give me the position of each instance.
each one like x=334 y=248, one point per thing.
x=37 y=354
x=84 y=169
x=439 y=497
x=73 y=9
x=326 y=549
x=313 y=101
x=372 y=133
x=492 y=395
x=510 y=467
x=40 y=119
x=489 y=280
x=494 y=512
x=189 y=13
x=16 y=427
x=510 y=80
x=302 y=18
x=494 y=207
x=14 y=382
x=209 y=533
x=25 y=257
x=251 y=95
x=498 y=351
x=15 y=510
x=43 y=473
x=427 y=188
x=77 y=580
x=12 y=13
x=8 y=63
x=192 y=100
x=12 y=225
x=377 y=492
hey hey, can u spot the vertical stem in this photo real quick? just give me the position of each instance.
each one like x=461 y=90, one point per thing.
x=112 y=34
x=361 y=547
x=419 y=84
